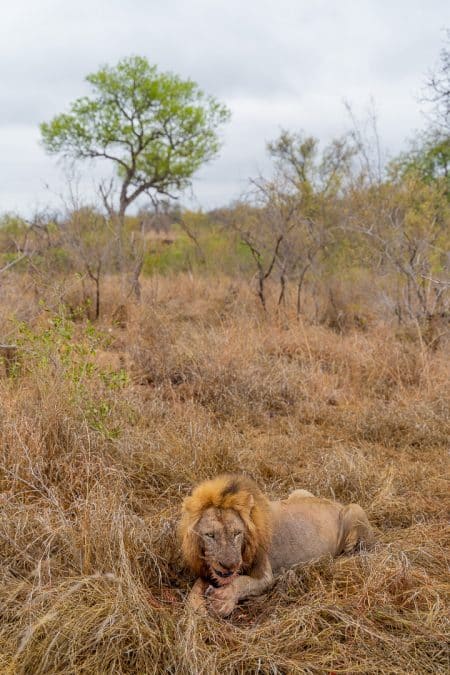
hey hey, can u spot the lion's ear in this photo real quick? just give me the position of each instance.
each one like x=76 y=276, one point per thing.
x=246 y=502
x=250 y=502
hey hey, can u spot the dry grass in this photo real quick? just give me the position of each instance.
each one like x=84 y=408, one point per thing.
x=93 y=467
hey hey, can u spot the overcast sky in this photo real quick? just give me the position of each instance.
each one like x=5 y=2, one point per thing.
x=289 y=64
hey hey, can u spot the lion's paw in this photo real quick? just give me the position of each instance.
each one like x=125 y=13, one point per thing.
x=222 y=601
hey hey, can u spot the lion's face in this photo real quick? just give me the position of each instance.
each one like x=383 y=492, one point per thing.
x=221 y=534
x=225 y=528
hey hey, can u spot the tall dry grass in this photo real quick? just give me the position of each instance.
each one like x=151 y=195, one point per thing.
x=103 y=431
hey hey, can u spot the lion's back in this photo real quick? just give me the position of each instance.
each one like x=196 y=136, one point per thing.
x=304 y=529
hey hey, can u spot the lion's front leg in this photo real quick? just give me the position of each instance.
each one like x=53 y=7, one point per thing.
x=197 y=598
x=224 y=599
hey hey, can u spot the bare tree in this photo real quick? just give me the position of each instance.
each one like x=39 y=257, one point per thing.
x=366 y=146
x=89 y=238
x=290 y=217
x=438 y=89
x=256 y=232
x=405 y=224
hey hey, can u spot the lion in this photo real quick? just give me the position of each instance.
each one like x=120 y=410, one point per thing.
x=236 y=541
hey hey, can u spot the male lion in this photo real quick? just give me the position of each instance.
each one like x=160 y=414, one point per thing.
x=235 y=540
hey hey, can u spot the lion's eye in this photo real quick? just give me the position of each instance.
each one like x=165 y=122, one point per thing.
x=210 y=535
x=237 y=534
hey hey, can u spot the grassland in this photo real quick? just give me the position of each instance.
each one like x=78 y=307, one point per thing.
x=104 y=429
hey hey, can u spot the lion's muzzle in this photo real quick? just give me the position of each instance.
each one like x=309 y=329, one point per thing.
x=224 y=575
x=224 y=581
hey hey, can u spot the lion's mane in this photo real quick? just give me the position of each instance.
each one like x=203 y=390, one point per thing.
x=227 y=491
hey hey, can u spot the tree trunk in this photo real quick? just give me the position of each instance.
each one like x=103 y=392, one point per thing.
x=281 y=297
x=97 y=298
x=135 y=282
x=262 y=297
x=120 y=226
x=299 y=288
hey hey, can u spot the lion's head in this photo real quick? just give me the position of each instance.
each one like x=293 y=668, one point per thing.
x=225 y=528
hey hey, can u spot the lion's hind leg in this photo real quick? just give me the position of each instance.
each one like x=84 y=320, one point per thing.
x=356 y=531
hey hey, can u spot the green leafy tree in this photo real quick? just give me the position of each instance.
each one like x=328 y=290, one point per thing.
x=155 y=128
x=429 y=158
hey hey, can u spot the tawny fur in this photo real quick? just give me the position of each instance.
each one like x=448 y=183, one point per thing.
x=213 y=493
x=277 y=535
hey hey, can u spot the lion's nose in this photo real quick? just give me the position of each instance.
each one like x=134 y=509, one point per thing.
x=227 y=569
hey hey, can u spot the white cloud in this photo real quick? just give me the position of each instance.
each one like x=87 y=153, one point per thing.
x=286 y=64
